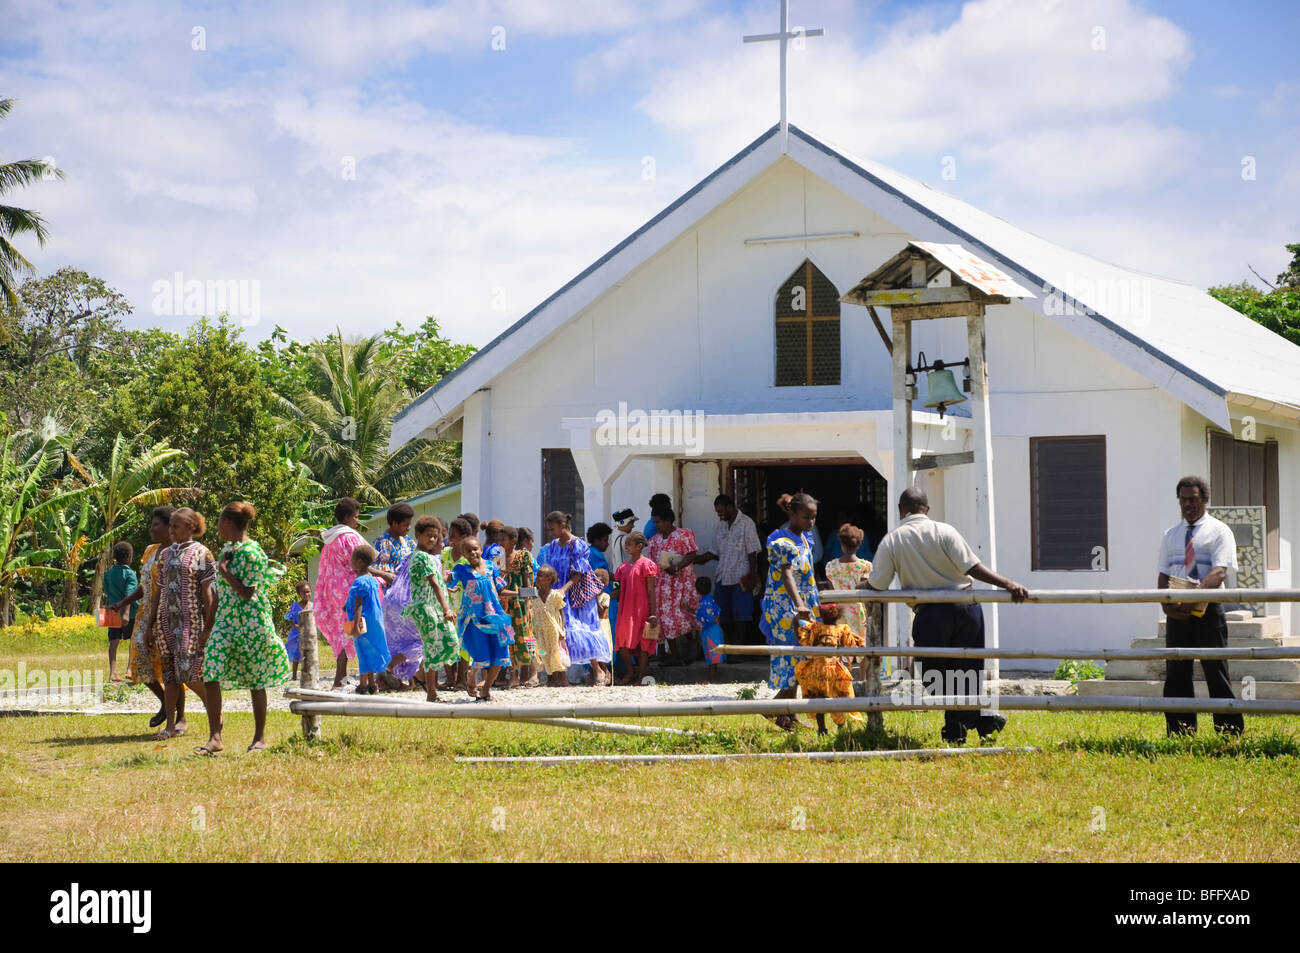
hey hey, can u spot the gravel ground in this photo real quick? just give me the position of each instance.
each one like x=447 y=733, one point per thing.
x=671 y=685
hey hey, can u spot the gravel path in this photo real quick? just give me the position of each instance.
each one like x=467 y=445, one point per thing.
x=671 y=685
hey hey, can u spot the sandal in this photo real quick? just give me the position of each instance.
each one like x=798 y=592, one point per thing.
x=206 y=752
x=157 y=719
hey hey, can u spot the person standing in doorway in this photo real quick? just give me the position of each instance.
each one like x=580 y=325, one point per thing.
x=736 y=548
x=1201 y=550
x=927 y=554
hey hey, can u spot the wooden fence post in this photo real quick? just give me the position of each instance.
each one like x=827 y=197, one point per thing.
x=876 y=637
x=308 y=675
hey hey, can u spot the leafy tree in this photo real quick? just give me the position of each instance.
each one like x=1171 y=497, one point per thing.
x=18 y=221
x=64 y=350
x=1279 y=310
x=425 y=356
x=1290 y=278
x=347 y=411
x=205 y=395
x=64 y=528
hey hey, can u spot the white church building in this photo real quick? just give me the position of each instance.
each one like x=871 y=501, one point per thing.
x=709 y=352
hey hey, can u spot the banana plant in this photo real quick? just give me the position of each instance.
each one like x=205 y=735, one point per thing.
x=66 y=528
x=21 y=508
x=120 y=487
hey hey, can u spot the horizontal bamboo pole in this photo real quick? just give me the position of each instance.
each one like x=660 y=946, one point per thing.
x=906 y=754
x=1060 y=596
x=605 y=727
x=1100 y=655
x=810 y=706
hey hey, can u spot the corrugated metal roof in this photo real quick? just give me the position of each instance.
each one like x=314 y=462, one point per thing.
x=974 y=271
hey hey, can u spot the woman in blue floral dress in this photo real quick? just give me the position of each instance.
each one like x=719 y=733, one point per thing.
x=791 y=594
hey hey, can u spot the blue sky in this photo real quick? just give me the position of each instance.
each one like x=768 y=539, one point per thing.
x=487 y=177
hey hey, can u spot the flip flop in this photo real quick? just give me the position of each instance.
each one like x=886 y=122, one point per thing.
x=205 y=752
x=157 y=719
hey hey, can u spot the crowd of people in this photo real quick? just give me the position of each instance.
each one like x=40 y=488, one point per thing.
x=465 y=606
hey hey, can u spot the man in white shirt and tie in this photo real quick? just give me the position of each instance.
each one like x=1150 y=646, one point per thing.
x=1202 y=549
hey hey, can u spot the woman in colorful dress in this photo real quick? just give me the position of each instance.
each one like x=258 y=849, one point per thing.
x=184 y=612
x=674 y=551
x=429 y=608
x=519 y=575
x=334 y=580
x=569 y=556
x=145 y=664
x=243 y=650
x=485 y=629
x=791 y=594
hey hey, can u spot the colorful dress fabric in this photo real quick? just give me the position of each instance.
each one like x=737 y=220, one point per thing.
x=548 y=627
x=826 y=677
x=778 y=620
x=707 y=614
x=392 y=551
x=448 y=563
x=634 y=604
x=586 y=642
x=244 y=650
x=437 y=633
x=146 y=662
x=372 y=645
x=291 y=646
x=332 y=586
x=519 y=574
x=674 y=621
x=602 y=602
x=402 y=633
x=485 y=630
x=848 y=576
x=184 y=568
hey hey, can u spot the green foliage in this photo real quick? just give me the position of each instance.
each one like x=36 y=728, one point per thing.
x=1277 y=309
x=424 y=357
x=1077 y=670
x=18 y=221
x=206 y=396
x=347 y=410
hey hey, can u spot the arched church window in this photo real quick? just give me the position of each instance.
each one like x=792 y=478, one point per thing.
x=807 y=329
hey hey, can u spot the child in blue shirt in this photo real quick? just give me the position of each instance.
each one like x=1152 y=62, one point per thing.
x=363 y=599
x=707 y=614
x=291 y=645
x=119 y=582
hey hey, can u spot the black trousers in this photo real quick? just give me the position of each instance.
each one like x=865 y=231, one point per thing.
x=946 y=625
x=1209 y=631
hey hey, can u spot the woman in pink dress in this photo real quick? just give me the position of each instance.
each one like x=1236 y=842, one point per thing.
x=335 y=579
x=674 y=551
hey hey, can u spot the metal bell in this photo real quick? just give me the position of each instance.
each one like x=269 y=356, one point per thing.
x=941 y=390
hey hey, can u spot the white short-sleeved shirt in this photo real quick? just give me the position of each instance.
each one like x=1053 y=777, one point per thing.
x=924 y=554
x=733 y=545
x=1212 y=542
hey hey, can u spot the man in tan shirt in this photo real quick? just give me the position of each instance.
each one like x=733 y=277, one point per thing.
x=927 y=554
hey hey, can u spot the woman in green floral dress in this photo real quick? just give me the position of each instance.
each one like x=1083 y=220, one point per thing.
x=428 y=608
x=243 y=650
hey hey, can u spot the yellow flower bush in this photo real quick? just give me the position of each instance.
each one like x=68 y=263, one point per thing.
x=59 y=628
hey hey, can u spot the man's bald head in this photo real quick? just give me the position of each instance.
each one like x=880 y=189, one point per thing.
x=913 y=500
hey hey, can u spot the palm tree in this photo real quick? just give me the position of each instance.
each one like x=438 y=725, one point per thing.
x=124 y=484
x=16 y=221
x=21 y=507
x=347 y=414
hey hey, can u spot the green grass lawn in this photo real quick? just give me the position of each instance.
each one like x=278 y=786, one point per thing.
x=1106 y=787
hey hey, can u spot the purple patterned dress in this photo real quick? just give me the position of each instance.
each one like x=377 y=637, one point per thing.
x=403 y=636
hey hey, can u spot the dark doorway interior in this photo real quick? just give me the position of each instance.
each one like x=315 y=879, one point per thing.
x=846 y=491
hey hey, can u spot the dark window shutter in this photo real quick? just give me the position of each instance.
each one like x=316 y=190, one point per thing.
x=1243 y=473
x=1068 y=502
x=561 y=490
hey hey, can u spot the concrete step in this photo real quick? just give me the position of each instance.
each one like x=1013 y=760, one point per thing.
x=1155 y=688
x=1267 y=626
x=1262 y=670
x=1234 y=641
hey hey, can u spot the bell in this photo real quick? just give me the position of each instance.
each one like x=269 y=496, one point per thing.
x=941 y=390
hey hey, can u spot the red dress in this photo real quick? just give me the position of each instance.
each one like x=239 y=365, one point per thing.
x=633 y=603
x=673 y=587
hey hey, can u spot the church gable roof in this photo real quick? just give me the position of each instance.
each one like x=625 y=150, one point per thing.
x=1173 y=333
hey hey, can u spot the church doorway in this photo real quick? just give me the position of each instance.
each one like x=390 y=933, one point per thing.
x=846 y=491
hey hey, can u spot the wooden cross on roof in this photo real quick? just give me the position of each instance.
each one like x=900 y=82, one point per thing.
x=784 y=36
